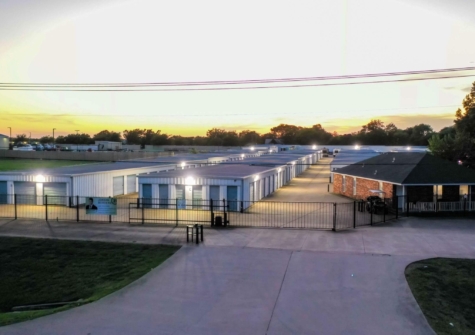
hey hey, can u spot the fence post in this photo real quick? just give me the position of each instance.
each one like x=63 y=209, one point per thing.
x=77 y=208
x=211 y=210
x=464 y=206
x=354 y=214
x=201 y=230
x=46 y=207
x=407 y=205
x=142 y=207
x=334 y=216
x=176 y=212
x=225 y=223
x=14 y=200
x=197 y=233
x=242 y=207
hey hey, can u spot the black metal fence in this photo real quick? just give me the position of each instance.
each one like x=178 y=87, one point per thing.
x=309 y=215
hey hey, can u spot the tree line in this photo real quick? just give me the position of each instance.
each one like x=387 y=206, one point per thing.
x=373 y=133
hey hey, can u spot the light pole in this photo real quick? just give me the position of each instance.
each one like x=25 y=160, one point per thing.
x=77 y=139
x=29 y=141
x=53 y=136
x=10 y=141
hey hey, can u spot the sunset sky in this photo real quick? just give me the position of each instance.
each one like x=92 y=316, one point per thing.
x=105 y=41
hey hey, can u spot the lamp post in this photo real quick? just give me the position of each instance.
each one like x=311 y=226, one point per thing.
x=77 y=139
x=10 y=140
x=53 y=139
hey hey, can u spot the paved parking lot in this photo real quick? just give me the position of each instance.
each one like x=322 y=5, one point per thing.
x=261 y=281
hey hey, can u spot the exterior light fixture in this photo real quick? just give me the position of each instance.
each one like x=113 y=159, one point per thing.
x=279 y=169
x=314 y=147
x=293 y=163
x=459 y=162
x=190 y=181
x=252 y=148
x=182 y=164
x=357 y=147
x=242 y=155
x=408 y=148
x=256 y=178
x=40 y=178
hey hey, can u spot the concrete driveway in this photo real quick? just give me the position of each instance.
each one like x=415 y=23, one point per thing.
x=264 y=281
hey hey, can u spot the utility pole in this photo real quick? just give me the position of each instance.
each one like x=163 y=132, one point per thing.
x=77 y=139
x=10 y=146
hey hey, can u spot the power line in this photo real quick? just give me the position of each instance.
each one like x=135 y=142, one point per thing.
x=143 y=87
x=232 y=114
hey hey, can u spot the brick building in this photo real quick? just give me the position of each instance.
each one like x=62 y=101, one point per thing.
x=409 y=176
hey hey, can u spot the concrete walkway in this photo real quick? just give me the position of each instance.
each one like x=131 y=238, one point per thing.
x=309 y=186
x=261 y=281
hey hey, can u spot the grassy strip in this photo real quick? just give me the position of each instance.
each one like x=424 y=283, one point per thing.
x=37 y=271
x=9 y=164
x=445 y=291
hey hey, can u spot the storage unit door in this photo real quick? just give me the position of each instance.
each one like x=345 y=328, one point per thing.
x=197 y=196
x=147 y=195
x=56 y=192
x=180 y=196
x=163 y=196
x=232 y=197
x=131 y=183
x=214 y=194
x=25 y=192
x=3 y=192
x=118 y=186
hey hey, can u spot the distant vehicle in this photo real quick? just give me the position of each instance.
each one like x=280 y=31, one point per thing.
x=376 y=205
x=23 y=147
x=38 y=147
x=325 y=152
x=336 y=151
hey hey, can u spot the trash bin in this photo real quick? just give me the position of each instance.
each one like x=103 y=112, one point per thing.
x=218 y=221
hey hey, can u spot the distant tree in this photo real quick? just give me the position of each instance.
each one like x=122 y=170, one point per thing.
x=231 y=139
x=106 y=135
x=462 y=145
x=286 y=132
x=21 y=138
x=373 y=133
x=46 y=139
x=216 y=136
x=133 y=136
x=249 y=137
x=420 y=134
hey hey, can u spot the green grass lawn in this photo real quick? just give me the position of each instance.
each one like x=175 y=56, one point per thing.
x=11 y=164
x=445 y=291
x=37 y=271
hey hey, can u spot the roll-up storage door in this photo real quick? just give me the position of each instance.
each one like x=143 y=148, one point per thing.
x=214 y=194
x=118 y=185
x=163 y=195
x=25 y=192
x=197 y=196
x=232 y=198
x=180 y=196
x=131 y=183
x=3 y=192
x=147 y=195
x=56 y=193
